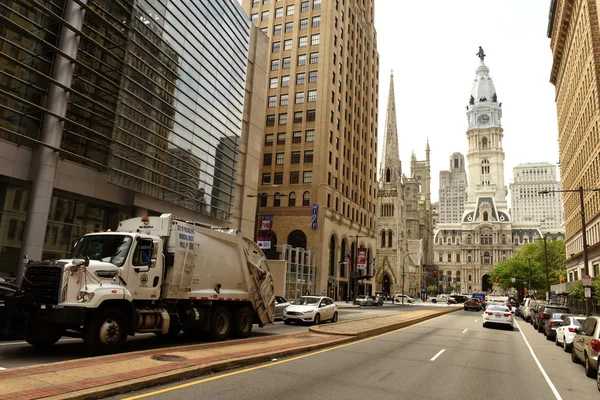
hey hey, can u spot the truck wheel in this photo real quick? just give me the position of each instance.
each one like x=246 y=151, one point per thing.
x=105 y=331
x=45 y=337
x=242 y=323
x=220 y=326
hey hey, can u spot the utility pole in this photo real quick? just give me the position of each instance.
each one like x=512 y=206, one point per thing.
x=529 y=270
x=546 y=262
x=586 y=271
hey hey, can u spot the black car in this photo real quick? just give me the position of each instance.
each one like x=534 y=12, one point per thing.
x=457 y=299
x=472 y=304
x=546 y=313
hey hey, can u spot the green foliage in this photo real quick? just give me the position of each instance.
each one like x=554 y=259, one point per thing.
x=432 y=290
x=528 y=265
x=577 y=291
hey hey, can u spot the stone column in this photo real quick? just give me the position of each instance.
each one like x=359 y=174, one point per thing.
x=45 y=159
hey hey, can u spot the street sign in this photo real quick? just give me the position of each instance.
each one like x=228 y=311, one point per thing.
x=587 y=280
x=588 y=292
x=513 y=280
x=331 y=280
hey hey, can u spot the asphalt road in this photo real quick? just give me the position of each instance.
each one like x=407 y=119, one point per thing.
x=450 y=357
x=19 y=353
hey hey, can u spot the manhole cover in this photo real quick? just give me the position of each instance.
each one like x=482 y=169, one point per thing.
x=168 y=357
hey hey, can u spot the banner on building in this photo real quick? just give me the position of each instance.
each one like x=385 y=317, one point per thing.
x=265 y=224
x=362 y=258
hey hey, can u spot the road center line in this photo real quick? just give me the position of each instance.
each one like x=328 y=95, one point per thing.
x=552 y=387
x=466 y=329
x=2 y=368
x=438 y=354
x=476 y=320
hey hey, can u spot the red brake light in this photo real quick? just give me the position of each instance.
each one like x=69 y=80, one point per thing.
x=488 y=313
x=544 y=315
x=595 y=344
x=572 y=329
x=145 y=218
x=552 y=323
x=507 y=315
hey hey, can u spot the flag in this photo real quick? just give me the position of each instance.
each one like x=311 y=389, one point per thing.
x=347 y=258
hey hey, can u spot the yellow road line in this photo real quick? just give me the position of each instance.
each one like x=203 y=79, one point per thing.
x=213 y=378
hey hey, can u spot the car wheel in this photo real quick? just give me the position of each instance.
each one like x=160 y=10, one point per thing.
x=335 y=317
x=484 y=325
x=317 y=320
x=434 y=301
x=287 y=321
x=548 y=337
x=574 y=356
x=556 y=342
x=589 y=371
x=566 y=347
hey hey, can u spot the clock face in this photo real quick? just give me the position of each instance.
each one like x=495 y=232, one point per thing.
x=483 y=119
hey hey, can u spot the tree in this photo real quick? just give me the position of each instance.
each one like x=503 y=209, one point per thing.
x=528 y=264
x=432 y=290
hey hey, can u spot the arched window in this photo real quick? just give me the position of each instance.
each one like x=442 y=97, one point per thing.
x=469 y=239
x=297 y=238
x=392 y=206
x=486 y=257
x=332 y=256
x=485 y=215
x=409 y=233
x=484 y=143
x=306 y=199
x=263 y=199
x=382 y=239
x=485 y=167
x=343 y=253
x=388 y=175
x=292 y=199
x=390 y=242
x=277 y=200
x=469 y=258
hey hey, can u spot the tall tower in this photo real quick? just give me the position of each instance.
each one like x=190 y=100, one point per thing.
x=390 y=206
x=453 y=190
x=485 y=156
x=318 y=172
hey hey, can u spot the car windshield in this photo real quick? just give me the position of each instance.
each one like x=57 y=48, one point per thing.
x=306 y=301
x=361 y=297
x=107 y=248
x=557 y=316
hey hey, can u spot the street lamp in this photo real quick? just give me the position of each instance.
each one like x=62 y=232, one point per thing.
x=258 y=198
x=580 y=190
x=403 y=274
x=546 y=262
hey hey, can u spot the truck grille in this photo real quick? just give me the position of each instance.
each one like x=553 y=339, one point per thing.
x=43 y=282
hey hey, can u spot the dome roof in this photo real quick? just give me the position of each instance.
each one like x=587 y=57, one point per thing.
x=483 y=85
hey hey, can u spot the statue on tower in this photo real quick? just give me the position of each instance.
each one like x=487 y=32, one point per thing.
x=480 y=54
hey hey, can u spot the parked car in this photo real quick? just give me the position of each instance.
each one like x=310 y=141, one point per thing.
x=386 y=296
x=546 y=312
x=457 y=299
x=472 y=304
x=378 y=300
x=498 y=315
x=407 y=299
x=280 y=305
x=566 y=331
x=526 y=312
x=519 y=309
x=311 y=309
x=363 y=300
x=552 y=325
x=586 y=345
x=535 y=311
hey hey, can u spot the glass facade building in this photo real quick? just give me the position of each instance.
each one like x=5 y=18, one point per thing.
x=155 y=106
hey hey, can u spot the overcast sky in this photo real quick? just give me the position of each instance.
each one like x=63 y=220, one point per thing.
x=431 y=46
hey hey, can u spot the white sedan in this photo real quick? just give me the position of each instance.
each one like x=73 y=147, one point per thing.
x=498 y=315
x=311 y=309
x=566 y=331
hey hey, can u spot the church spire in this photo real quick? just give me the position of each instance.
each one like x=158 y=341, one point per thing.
x=391 y=168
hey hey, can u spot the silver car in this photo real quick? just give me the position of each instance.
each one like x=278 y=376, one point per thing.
x=363 y=300
x=586 y=345
x=280 y=305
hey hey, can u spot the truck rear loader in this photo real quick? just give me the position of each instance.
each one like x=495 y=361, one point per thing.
x=161 y=275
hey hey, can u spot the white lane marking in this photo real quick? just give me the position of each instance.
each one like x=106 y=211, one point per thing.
x=438 y=354
x=2 y=368
x=466 y=329
x=552 y=387
x=476 y=320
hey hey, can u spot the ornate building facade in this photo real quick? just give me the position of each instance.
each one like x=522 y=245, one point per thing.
x=574 y=30
x=404 y=222
x=466 y=251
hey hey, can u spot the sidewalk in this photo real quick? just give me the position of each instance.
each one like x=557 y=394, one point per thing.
x=110 y=375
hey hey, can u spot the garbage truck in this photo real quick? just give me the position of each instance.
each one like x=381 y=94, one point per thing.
x=159 y=275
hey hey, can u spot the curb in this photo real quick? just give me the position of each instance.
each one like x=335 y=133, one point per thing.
x=219 y=366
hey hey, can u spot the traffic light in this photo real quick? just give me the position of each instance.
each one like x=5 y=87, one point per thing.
x=497 y=278
x=434 y=273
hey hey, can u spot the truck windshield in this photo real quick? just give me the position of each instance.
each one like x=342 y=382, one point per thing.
x=108 y=248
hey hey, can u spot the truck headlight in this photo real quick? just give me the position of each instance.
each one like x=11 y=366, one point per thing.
x=84 y=297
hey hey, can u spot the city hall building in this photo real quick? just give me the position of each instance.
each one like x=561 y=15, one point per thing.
x=112 y=109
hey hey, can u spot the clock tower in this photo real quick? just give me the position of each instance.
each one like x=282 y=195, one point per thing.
x=485 y=156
